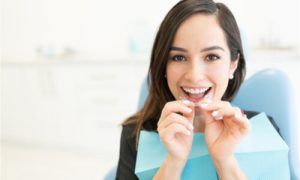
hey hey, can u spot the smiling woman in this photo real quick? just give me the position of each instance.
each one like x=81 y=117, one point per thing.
x=197 y=66
x=199 y=60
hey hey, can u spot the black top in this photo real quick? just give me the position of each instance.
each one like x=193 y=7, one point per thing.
x=128 y=152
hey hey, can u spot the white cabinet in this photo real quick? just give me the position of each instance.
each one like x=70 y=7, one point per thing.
x=69 y=104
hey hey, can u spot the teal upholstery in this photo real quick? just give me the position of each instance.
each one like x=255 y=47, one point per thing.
x=271 y=91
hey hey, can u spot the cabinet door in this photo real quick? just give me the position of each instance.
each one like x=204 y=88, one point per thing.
x=69 y=105
x=27 y=93
x=105 y=96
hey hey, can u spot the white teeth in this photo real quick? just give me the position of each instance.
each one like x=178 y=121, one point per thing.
x=195 y=90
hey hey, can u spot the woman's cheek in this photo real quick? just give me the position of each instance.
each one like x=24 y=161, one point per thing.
x=220 y=80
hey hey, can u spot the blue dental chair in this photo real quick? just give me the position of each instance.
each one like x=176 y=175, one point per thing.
x=271 y=91
x=268 y=91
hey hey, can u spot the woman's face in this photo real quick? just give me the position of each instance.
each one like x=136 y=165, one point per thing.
x=199 y=62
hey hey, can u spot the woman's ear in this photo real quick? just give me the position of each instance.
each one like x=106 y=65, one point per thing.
x=234 y=64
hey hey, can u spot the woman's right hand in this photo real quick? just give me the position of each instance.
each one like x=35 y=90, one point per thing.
x=175 y=128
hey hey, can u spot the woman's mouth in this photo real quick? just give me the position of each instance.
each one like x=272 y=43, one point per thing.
x=195 y=94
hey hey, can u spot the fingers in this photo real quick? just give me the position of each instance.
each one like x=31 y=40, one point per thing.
x=223 y=110
x=175 y=118
x=181 y=107
x=170 y=131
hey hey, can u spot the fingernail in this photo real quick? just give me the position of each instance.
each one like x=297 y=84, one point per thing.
x=188 y=133
x=238 y=116
x=218 y=118
x=215 y=113
x=207 y=99
x=188 y=109
x=204 y=105
x=186 y=102
x=191 y=127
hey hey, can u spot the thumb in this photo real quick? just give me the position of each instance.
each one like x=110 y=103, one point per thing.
x=190 y=116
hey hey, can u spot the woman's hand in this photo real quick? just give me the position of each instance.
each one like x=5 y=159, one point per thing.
x=175 y=128
x=225 y=127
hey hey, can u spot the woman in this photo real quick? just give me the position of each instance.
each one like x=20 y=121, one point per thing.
x=197 y=66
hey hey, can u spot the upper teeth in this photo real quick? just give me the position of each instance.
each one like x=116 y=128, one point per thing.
x=195 y=90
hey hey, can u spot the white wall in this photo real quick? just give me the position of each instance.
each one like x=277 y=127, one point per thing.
x=94 y=29
x=271 y=23
x=109 y=29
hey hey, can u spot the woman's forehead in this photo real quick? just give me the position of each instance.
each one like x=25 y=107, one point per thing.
x=200 y=30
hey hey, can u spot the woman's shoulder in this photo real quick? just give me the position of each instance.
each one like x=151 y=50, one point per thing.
x=128 y=130
x=128 y=139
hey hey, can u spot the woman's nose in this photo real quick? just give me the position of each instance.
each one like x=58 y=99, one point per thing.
x=195 y=72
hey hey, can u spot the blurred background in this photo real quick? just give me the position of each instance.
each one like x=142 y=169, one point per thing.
x=71 y=72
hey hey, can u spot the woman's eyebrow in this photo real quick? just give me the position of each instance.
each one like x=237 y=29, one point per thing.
x=174 y=48
x=212 y=48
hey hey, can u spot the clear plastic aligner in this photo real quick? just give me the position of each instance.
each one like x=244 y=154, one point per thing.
x=186 y=101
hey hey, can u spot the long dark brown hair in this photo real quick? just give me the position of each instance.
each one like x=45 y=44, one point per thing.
x=159 y=92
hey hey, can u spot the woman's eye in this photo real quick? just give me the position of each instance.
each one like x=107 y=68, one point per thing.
x=212 y=57
x=178 y=58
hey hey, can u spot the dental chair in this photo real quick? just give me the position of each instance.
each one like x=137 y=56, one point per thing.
x=271 y=91
x=268 y=91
